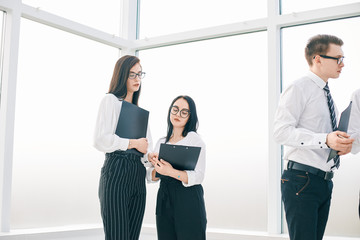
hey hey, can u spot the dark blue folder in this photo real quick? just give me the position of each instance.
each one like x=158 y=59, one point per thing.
x=132 y=123
x=179 y=156
x=343 y=126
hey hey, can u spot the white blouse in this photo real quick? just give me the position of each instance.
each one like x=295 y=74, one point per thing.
x=195 y=176
x=354 y=122
x=105 y=139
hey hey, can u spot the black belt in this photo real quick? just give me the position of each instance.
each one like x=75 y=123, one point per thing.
x=302 y=167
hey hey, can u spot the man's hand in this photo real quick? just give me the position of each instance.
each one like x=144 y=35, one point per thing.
x=339 y=141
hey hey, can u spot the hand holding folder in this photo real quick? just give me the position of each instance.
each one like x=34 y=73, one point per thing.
x=179 y=156
x=132 y=123
x=343 y=126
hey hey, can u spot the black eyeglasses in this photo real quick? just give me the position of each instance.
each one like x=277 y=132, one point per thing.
x=133 y=75
x=339 y=59
x=184 y=113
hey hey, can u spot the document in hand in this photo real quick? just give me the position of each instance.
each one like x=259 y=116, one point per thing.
x=179 y=156
x=132 y=123
x=343 y=126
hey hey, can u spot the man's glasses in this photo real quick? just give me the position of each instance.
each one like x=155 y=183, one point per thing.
x=339 y=59
x=133 y=75
x=184 y=113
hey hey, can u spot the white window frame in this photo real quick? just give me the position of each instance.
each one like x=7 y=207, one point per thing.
x=128 y=43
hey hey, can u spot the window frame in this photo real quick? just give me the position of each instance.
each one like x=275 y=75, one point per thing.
x=129 y=44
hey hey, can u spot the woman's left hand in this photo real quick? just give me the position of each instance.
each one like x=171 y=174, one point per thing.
x=152 y=155
x=162 y=167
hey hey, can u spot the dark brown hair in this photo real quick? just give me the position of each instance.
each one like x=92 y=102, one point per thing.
x=120 y=77
x=319 y=44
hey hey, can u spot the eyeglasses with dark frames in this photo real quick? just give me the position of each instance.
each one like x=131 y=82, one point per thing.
x=184 y=113
x=339 y=59
x=133 y=75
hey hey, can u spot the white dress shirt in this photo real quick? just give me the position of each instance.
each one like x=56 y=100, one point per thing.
x=302 y=122
x=354 y=122
x=105 y=139
x=195 y=176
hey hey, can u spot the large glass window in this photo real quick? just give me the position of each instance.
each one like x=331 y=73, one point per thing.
x=101 y=14
x=61 y=81
x=161 y=17
x=2 y=14
x=228 y=81
x=343 y=219
x=289 y=6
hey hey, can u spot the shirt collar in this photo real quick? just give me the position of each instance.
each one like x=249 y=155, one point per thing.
x=316 y=79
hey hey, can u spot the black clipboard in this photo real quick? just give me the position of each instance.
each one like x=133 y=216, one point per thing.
x=179 y=156
x=343 y=126
x=132 y=123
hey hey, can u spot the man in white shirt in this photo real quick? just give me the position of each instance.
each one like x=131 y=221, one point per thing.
x=305 y=122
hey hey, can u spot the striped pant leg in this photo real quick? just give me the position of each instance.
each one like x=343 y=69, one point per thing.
x=136 y=215
x=122 y=209
x=113 y=198
x=137 y=200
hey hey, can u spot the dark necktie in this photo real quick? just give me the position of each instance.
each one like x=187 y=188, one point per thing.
x=333 y=120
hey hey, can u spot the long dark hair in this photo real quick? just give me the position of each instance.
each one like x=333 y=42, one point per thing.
x=192 y=123
x=120 y=77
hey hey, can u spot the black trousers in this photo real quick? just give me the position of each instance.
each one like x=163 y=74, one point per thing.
x=122 y=195
x=180 y=211
x=306 y=200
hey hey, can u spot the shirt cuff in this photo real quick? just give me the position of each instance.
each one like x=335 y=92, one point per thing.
x=124 y=144
x=191 y=177
x=356 y=144
x=145 y=161
x=321 y=141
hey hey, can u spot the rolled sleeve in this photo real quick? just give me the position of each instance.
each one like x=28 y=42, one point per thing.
x=197 y=175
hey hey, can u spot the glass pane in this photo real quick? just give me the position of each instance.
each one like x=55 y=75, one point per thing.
x=161 y=17
x=289 y=6
x=221 y=77
x=100 y=14
x=61 y=81
x=344 y=219
x=2 y=14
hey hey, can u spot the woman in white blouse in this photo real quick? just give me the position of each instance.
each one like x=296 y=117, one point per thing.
x=180 y=208
x=354 y=121
x=122 y=191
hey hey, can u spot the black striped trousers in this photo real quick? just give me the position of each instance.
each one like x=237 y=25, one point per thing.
x=122 y=195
